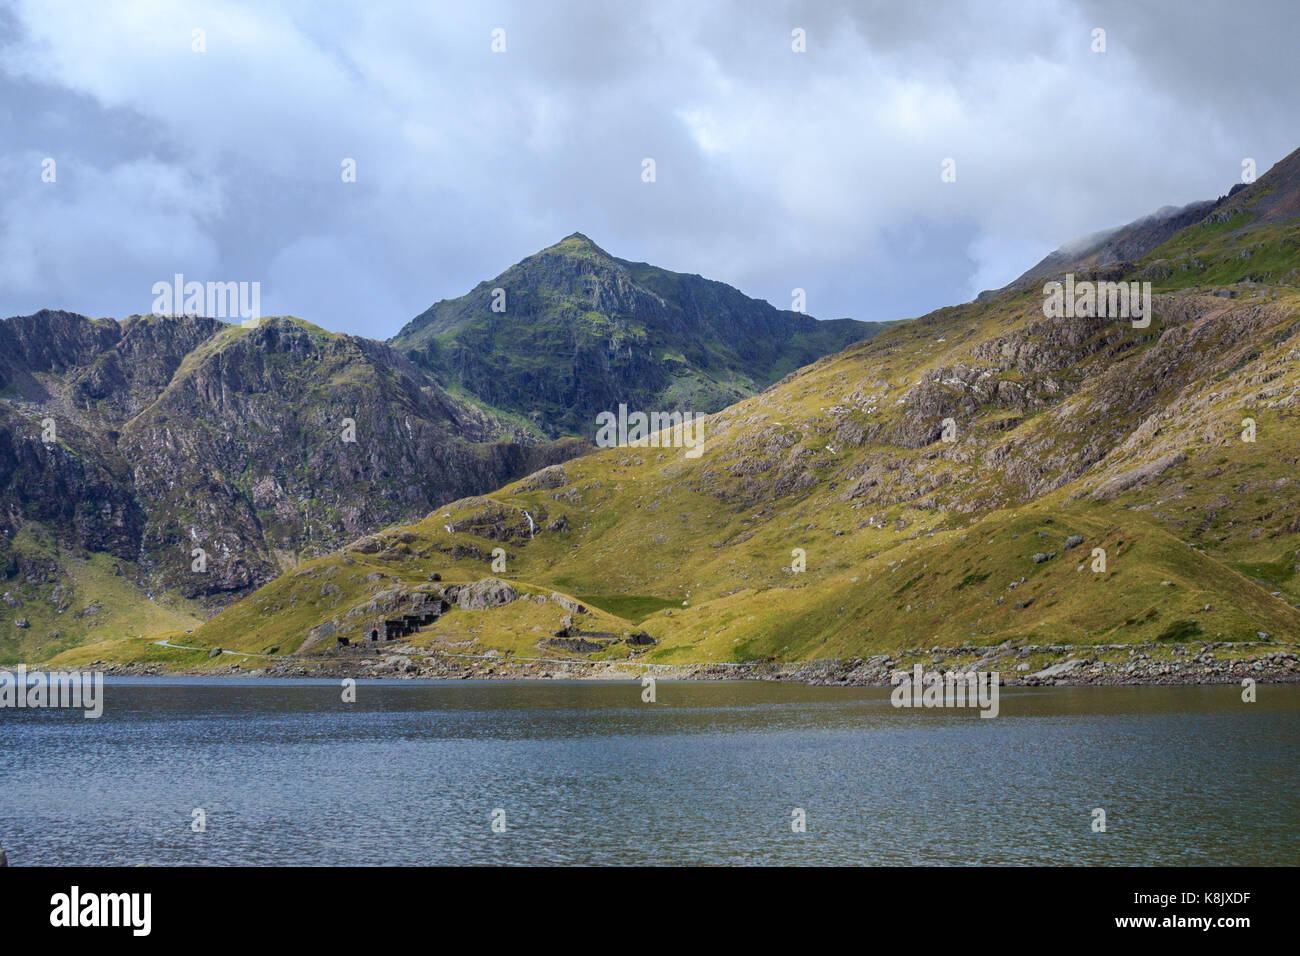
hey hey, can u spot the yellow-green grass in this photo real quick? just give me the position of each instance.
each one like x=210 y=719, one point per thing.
x=95 y=581
x=904 y=547
x=134 y=651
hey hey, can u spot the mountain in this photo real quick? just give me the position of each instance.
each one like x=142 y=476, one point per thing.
x=1274 y=199
x=1121 y=244
x=577 y=331
x=155 y=469
x=125 y=446
x=1099 y=489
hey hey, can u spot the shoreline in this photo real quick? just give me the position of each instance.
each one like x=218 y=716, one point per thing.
x=1078 y=665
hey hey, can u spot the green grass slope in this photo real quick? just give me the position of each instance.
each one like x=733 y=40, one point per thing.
x=830 y=516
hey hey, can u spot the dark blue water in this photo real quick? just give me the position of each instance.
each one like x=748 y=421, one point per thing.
x=586 y=773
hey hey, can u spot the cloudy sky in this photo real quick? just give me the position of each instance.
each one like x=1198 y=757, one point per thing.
x=774 y=169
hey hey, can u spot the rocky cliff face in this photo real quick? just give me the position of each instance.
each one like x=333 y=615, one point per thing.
x=213 y=457
x=577 y=331
x=203 y=459
x=367 y=442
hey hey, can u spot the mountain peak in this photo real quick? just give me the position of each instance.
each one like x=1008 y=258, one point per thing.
x=571 y=331
x=578 y=244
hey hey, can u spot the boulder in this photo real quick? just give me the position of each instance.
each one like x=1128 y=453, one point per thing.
x=370 y=544
x=570 y=605
x=552 y=477
x=1057 y=669
x=489 y=592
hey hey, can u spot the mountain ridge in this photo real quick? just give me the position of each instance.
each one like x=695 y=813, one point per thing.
x=576 y=330
x=1270 y=199
x=828 y=517
x=176 y=442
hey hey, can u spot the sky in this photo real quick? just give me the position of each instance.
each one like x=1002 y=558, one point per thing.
x=774 y=169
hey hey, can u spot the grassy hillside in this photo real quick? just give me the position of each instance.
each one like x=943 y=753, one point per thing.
x=831 y=516
x=90 y=599
x=1131 y=443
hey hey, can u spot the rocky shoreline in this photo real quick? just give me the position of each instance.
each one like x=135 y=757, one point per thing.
x=1016 y=665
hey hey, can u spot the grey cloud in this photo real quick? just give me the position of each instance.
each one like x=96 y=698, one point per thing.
x=775 y=170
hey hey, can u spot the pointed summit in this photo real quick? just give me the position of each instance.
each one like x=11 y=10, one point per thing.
x=577 y=244
x=572 y=331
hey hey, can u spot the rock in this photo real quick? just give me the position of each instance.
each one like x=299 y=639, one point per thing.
x=1040 y=557
x=570 y=605
x=1138 y=476
x=576 y=644
x=321 y=632
x=1057 y=669
x=370 y=544
x=22 y=622
x=640 y=639
x=552 y=477
x=1021 y=605
x=1073 y=541
x=59 y=597
x=489 y=592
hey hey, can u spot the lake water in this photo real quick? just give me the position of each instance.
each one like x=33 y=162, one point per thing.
x=586 y=773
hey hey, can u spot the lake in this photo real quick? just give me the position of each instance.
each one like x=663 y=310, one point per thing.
x=285 y=772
